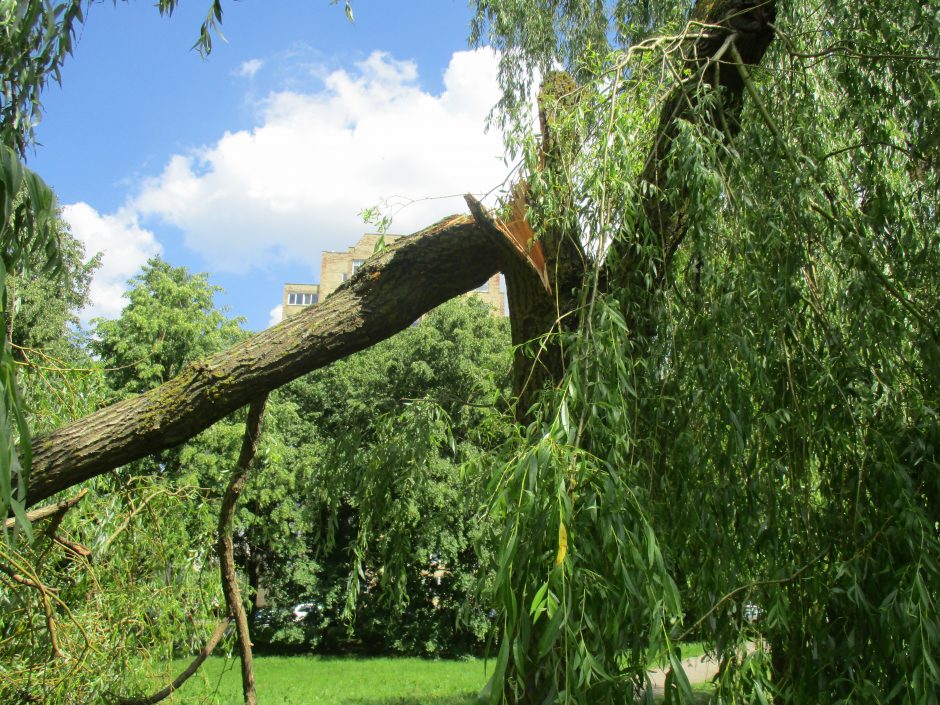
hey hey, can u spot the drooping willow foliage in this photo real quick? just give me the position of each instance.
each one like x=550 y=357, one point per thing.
x=757 y=435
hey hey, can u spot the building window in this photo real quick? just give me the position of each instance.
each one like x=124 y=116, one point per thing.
x=356 y=263
x=297 y=299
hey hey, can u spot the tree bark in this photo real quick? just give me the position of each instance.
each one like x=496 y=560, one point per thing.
x=225 y=547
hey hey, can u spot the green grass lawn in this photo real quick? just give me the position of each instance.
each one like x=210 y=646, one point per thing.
x=312 y=680
x=315 y=680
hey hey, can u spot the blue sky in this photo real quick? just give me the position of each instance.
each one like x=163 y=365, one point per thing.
x=250 y=163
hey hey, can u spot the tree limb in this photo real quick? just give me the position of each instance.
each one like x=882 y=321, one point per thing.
x=225 y=547
x=50 y=510
x=743 y=26
x=386 y=295
x=225 y=550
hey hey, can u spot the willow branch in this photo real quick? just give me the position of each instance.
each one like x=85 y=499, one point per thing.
x=51 y=510
x=225 y=546
x=737 y=26
x=185 y=675
x=44 y=591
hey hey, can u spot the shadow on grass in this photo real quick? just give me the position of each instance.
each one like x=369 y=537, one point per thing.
x=468 y=699
x=701 y=698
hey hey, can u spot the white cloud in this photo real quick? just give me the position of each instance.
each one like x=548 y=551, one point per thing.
x=275 y=315
x=248 y=69
x=124 y=246
x=294 y=185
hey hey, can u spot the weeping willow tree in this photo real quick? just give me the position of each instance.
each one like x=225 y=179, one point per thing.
x=722 y=264
x=745 y=422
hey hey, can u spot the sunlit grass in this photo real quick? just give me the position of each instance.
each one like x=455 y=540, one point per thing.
x=316 y=680
x=312 y=680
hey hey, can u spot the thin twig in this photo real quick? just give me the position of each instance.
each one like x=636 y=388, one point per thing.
x=134 y=512
x=44 y=592
x=72 y=546
x=755 y=96
x=874 y=143
x=23 y=580
x=750 y=586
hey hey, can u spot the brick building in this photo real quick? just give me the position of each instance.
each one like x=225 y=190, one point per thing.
x=337 y=267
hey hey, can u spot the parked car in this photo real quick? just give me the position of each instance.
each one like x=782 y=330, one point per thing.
x=300 y=611
x=752 y=612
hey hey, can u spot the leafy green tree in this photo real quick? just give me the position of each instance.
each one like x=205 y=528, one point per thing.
x=35 y=37
x=45 y=311
x=60 y=380
x=456 y=357
x=375 y=507
x=747 y=416
x=139 y=578
x=170 y=321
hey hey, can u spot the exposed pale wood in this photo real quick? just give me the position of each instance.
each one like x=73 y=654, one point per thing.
x=532 y=316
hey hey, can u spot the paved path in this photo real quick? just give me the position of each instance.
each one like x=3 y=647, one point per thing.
x=698 y=669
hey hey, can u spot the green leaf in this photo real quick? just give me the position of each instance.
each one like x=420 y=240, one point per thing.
x=551 y=631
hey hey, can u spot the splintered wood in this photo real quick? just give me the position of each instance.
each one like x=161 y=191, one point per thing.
x=520 y=234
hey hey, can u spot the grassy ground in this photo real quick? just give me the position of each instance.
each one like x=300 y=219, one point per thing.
x=311 y=680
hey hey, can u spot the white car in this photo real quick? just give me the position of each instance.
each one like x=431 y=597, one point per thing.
x=752 y=612
x=302 y=609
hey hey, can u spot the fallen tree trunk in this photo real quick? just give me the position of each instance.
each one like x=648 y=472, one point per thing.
x=387 y=294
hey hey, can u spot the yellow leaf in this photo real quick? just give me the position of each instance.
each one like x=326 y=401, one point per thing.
x=562 y=544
